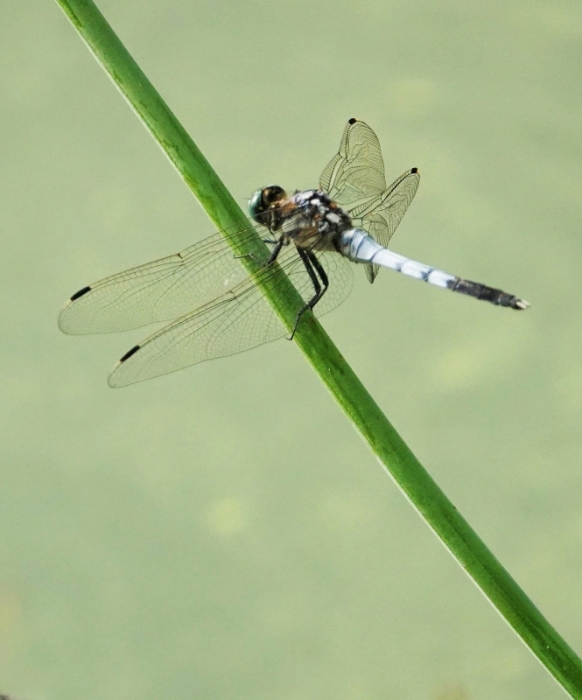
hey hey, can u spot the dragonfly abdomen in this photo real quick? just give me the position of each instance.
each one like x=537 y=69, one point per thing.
x=358 y=246
x=490 y=294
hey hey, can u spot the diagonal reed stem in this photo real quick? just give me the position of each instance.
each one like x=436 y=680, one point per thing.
x=425 y=495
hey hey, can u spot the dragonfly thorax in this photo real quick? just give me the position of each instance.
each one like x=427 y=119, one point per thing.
x=308 y=217
x=314 y=217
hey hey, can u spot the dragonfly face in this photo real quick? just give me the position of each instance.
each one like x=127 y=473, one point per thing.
x=263 y=206
x=213 y=308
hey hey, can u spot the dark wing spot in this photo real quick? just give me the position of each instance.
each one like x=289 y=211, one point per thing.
x=80 y=293
x=352 y=121
x=129 y=353
x=414 y=170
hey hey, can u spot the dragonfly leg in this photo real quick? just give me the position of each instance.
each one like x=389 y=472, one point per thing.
x=310 y=261
x=274 y=253
x=276 y=250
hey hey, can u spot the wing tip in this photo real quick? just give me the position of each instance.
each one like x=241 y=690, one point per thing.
x=63 y=314
x=64 y=326
x=113 y=380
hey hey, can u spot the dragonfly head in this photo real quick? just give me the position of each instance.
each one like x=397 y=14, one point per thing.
x=263 y=202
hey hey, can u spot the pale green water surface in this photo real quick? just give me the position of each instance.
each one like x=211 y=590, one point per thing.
x=221 y=533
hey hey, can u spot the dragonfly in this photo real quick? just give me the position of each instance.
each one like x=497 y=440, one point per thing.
x=214 y=308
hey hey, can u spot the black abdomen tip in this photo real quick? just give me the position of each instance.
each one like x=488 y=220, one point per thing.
x=353 y=120
x=485 y=293
x=80 y=293
x=414 y=170
x=129 y=353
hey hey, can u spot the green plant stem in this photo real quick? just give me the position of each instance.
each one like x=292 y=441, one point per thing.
x=441 y=515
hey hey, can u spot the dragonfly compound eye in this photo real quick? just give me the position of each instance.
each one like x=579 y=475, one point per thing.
x=263 y=200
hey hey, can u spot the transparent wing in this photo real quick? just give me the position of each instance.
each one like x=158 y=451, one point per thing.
x=236 y=321
x=357 y=170
x=355 y=178
x=380 y=215
x=161 y=290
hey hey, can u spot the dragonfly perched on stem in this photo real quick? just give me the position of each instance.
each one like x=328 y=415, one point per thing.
x=215 y=308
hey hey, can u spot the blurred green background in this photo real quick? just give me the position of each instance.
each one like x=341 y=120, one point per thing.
x=222 y=532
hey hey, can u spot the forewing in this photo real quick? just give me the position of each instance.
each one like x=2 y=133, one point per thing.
x=357 y=170
x=239 y=320
x=161 y=290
